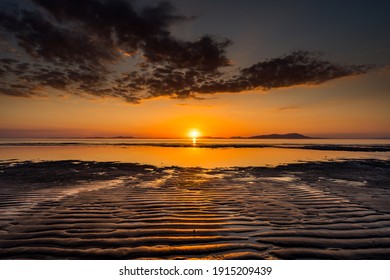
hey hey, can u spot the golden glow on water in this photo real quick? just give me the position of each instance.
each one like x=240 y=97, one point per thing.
x=185 y=157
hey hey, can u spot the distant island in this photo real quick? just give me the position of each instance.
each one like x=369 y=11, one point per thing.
x=276 y=136
x=108 y=137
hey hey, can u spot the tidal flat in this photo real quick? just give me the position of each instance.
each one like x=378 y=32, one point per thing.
x=112 y=210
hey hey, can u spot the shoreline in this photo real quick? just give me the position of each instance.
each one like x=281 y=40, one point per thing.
x=319 y=147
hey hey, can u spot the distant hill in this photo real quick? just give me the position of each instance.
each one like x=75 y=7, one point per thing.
x=122 y=137
x=108 y=137
x=281 y=136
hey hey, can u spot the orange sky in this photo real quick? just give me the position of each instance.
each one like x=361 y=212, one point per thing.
x=350 y=107
x=252 y=44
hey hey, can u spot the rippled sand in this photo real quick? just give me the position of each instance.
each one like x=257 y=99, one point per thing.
x=95 y=210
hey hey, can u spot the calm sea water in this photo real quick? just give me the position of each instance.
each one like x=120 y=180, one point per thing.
x=208 y=153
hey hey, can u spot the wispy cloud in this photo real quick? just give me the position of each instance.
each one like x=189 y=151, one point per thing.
x=76 y=46
x=288 y=108
x=195 y=105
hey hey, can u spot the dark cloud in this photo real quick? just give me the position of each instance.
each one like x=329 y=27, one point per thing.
x=80 y=45
x=298 y=68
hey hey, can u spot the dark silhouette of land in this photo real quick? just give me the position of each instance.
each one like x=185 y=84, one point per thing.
x=276 y=136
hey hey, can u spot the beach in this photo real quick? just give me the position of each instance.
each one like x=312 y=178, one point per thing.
x=78 y=209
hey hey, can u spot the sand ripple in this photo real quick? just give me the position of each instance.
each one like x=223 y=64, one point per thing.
x=300 y=211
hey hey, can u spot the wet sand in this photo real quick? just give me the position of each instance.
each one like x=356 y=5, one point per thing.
x=108 y=210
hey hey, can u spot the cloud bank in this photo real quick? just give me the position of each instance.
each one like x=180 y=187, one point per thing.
x=111 y=49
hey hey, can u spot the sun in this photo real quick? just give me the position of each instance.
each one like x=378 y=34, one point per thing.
x=194 y=133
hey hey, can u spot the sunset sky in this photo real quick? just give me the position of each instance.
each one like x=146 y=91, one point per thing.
x=82 y=68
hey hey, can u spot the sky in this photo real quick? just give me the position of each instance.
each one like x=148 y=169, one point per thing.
x=85 y=68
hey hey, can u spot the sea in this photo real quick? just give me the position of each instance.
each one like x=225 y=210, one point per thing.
x=205 y=153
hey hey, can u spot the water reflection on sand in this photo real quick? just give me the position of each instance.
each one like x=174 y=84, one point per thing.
x=182 y=156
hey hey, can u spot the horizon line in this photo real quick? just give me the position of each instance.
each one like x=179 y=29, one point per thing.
x=202 y=137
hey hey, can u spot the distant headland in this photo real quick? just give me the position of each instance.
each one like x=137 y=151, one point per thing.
x=276 y=136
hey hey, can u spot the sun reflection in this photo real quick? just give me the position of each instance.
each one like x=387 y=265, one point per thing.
x=194 y=133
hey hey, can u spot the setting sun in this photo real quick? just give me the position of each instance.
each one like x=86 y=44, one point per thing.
x=194 y=133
